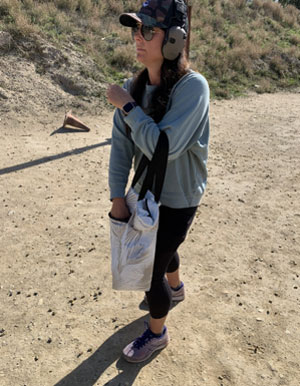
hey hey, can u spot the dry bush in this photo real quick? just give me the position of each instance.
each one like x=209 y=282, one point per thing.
x=265 y=86
x=236 y=38
x=200 y=18
x=216 y=62
x=18 y=23
x=22 y=26
x=295 y=40
x=239 y=4
x=85 y=7
x=273 y=10
x=218 y=9
x=272 y=24
x=125 y=35
x=123 y=57
x=220 y=43
x=95 y=22
x=241 y=58
x=9 y=8
x=257 y=25
x=229 y=13
x=29 y=4
x=277 y=65
x=257 y=4
x=203 y=33
x=116 y=7
x=66 y=5
x=292 y=10
x=290 y=19
x=289 y=15
x=218 y=23
x=212 y=2
x=293 y=53
x=131 y=5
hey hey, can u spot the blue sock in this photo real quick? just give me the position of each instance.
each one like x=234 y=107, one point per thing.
x=159 y=335
x=177 y=288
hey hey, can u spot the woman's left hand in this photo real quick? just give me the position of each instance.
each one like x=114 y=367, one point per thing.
x=118 y=96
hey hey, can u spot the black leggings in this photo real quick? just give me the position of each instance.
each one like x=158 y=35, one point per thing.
x=172 y=230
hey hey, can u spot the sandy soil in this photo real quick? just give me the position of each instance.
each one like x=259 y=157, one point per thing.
x=61 y=323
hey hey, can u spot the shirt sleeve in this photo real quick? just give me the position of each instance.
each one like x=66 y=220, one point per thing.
x=183 y=123
x=121 y=155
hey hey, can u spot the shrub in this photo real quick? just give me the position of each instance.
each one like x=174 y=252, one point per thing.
x=295 y=3
x=233 y=42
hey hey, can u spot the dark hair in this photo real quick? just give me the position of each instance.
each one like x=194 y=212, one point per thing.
x=171 y=72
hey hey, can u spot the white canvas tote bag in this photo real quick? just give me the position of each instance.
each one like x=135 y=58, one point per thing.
x=133 y=243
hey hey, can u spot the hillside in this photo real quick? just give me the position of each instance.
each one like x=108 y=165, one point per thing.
x=62 y=53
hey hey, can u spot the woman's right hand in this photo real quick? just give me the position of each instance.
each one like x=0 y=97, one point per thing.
x=119 y=209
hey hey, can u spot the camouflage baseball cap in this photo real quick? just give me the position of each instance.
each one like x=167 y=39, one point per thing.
x=158 y=13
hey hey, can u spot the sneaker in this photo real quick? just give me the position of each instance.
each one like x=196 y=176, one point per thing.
x=178 y=295
x=144 y=346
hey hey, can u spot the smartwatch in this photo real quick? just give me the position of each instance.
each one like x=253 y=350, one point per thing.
x=128 y=107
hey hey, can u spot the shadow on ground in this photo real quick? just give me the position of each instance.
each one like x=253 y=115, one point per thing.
x=89 y=371
x=51 y=158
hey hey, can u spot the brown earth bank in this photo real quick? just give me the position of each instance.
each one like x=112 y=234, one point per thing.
x=60 y=321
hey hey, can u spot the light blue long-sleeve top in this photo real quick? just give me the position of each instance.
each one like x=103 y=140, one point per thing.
x=186 y=124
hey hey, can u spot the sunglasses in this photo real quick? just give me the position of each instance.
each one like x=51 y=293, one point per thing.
x=146 y=32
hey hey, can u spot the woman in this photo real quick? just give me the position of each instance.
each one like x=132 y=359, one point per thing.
x=166 y=96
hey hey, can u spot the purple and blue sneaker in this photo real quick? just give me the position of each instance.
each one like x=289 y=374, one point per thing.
x=144 y=346
x=178 y=294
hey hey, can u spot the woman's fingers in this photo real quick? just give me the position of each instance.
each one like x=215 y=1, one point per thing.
x=119 y=208
x=117 y=96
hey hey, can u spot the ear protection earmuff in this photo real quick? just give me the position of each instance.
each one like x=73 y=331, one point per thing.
x=176 y=35
x=174 y=42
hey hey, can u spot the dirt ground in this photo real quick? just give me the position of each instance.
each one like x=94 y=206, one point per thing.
x=62 y=324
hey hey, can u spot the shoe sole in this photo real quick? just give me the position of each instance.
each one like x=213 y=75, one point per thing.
x=177 y=298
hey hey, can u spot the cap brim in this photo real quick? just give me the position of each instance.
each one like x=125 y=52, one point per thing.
x=129 y=19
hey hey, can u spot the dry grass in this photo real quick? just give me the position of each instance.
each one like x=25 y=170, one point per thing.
x=229 y=37
x=265 y=86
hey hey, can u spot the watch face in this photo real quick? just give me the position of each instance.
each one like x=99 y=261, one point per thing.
x=128 y=107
